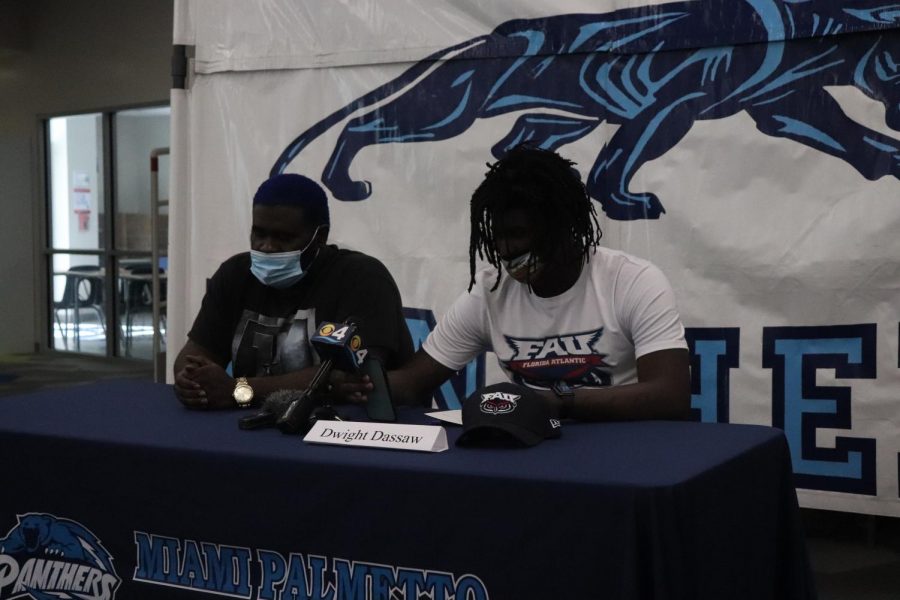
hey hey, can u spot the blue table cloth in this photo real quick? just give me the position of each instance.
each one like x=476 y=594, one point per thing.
x=146 y=499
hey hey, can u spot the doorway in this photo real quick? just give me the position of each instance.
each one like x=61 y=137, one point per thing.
x=107 y=180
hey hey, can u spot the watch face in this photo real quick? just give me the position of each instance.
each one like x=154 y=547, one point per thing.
x=243 y=394
x=561 y=388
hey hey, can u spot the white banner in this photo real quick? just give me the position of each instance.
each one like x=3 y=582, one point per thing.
x=761 y=175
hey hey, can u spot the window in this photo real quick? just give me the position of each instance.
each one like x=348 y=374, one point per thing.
x=107 y=281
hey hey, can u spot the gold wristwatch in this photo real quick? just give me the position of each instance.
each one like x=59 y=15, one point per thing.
x=243 y=393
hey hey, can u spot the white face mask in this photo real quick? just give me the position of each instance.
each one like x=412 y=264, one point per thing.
x=523 y=268
x=279 y=270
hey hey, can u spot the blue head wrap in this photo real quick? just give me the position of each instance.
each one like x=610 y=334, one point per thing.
x=295 y=190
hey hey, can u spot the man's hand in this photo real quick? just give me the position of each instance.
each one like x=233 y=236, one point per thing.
x=214 y=382
x=347 y=387
x=188 y=390
x=191 y=382
x=202 y=383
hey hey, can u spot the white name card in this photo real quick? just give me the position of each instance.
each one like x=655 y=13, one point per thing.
x=394 y=436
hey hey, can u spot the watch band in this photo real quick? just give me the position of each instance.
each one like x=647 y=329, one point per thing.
x=566 y=395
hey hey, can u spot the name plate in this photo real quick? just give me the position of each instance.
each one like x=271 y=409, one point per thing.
x=394 y=436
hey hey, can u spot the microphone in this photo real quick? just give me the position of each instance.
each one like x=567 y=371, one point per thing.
x=339 y=346
x=272 y=409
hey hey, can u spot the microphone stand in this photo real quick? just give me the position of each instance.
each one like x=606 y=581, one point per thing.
x=296 y=418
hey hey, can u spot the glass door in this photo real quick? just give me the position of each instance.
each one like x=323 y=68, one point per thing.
x=77 y=233
x=139 y=138
x=107 y=297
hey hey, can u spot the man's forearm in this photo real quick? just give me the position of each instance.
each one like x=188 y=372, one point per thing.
x=407 y=391
x=637 y=401
x=296 y=380
x=415 y=382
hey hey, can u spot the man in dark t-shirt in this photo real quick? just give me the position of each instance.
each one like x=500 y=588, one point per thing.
x=261 y=307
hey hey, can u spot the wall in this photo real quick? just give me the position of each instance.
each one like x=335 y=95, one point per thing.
x=136 y=135
x=84 y=140
x=66 y=56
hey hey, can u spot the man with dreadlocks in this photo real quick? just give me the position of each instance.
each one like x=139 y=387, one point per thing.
x=595 y=330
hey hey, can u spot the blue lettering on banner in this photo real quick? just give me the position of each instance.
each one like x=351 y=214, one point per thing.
x=226 y=570
x=800 y=407
x=169 y=561
x=714 y=352
x=464 y=383
x=351 y=579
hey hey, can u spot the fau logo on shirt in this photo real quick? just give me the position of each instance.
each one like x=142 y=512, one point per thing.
x=569 y=357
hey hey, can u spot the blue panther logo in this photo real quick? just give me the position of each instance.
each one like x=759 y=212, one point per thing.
x=55 y=559
x=651 y=70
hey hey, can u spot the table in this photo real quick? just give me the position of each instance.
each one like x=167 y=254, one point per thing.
x=183 y=499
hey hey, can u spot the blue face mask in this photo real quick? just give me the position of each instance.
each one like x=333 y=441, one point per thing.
x=279 y=270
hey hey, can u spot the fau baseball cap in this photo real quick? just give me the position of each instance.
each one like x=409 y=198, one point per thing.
x=506 y=414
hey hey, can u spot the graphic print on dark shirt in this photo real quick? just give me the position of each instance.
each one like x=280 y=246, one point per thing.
x=264 y=345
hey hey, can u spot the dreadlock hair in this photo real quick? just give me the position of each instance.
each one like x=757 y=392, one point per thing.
x=548 y=186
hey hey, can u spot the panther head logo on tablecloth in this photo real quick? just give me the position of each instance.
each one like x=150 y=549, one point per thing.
x=48 y=558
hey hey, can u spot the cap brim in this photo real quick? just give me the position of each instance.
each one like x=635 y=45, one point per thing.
x=513 y=433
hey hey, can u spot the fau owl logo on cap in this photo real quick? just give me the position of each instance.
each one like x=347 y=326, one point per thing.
x=498 y=403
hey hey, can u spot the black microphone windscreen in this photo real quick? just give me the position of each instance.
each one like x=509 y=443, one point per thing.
x=295 y=418
x=273 y=408
x=278 y=401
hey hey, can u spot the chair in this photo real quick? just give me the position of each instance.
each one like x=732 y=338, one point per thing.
x=83 y=291
x=137 y=297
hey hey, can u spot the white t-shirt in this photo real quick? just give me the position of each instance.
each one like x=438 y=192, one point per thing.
x=621 y=308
